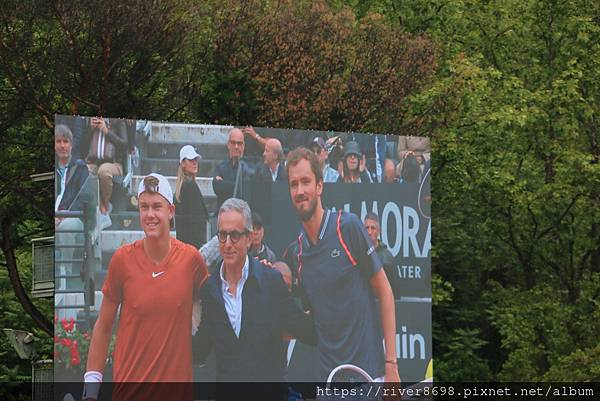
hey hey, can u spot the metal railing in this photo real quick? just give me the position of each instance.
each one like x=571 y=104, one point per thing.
x=76 y=245
x=83 y=262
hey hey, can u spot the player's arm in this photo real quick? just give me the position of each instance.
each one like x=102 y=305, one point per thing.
x=383 y=291
x=99 y=345
x=202 y=342
x=297 y=323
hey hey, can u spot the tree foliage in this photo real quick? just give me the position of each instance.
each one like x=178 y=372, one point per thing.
x=512 y=113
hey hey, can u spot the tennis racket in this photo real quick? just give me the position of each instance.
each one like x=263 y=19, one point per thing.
x=348 y=373
x=424 y=196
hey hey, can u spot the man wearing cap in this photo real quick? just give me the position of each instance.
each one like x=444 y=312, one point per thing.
x=154 y=281
x=191 y=214
x=229 y=175
x=354 y=170
x=319 y=148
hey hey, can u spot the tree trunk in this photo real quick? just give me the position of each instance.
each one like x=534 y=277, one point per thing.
x=11 y=264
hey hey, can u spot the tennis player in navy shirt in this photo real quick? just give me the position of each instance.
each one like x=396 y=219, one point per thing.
x=341 y=276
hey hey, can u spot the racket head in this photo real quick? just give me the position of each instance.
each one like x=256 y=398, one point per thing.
x=424 y=195
x=349 y=373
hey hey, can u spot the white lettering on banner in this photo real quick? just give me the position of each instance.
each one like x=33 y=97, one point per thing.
x=409 y=271
x=391 y=208
x=427 y=242
x=407 y=225
x=405 y=345
x=410 y=231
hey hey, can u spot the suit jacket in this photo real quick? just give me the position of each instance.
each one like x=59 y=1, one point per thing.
x=268 y=313
x=77 y=174
x=228 y=172
x=263 y=172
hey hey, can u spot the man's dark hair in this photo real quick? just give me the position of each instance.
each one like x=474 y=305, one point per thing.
x=410 y=169
x=301 y=153
x=257 y=220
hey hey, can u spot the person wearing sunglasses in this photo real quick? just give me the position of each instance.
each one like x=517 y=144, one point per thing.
x=230 y=174
x=319 y=147
x=191 y=214
x=247 y=309
x=154 y=282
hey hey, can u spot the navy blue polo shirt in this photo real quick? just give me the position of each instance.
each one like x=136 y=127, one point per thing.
x=335 y=274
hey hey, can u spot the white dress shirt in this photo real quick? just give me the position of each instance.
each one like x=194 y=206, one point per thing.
x=233 y=304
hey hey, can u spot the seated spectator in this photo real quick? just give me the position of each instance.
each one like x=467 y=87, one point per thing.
x=71 y=173
x=416 y=146
x=106 y=146
x=373 y=229
x=374 y=148
x=191 y=214
x=229 y=175
x=411 y=171
x=70 y=177
x=258 y=248
x=353 y=165
x=318 y=146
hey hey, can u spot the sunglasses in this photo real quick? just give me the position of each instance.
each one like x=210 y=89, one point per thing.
x=234 y=236
x=151 y=184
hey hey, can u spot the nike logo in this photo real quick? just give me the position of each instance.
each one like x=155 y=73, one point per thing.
x=335 y=253
x=154 y=275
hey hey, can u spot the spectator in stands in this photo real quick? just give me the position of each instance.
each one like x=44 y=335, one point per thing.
x=258 y=248
x=106 y=146
x=416 y=146
x=71 y=173
x=272 y=168
x=70 y=177
x=373 y=229
x=353 y=170
x=229 y=175
x=191 y=214
x=410 y=173
x=374 y=149
x=319 y=147
x=78 y=126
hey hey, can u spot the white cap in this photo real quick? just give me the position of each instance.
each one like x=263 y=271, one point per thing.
x=163 y=187
x=188 y=152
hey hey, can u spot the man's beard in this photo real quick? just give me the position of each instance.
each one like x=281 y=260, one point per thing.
x=305 y=215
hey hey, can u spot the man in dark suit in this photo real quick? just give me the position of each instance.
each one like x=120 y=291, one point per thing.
x=272 y=168
x=231 y=175
x=247 y=308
